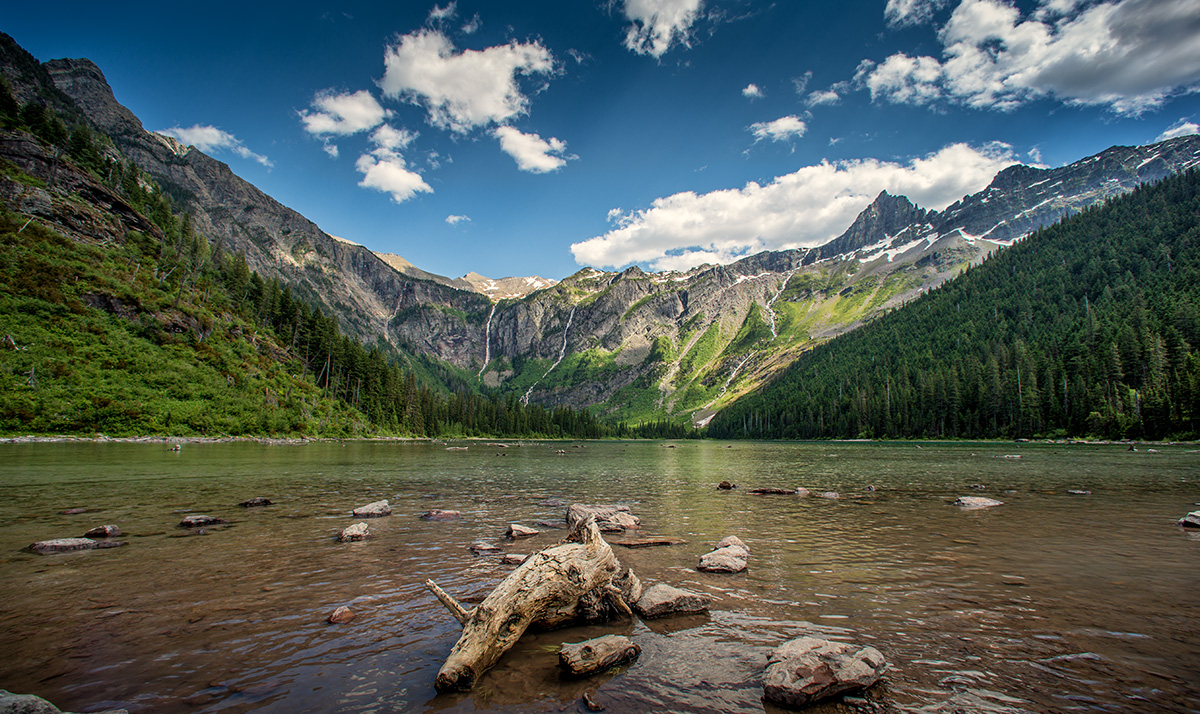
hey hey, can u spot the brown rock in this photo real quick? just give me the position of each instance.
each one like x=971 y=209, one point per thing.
x=108 y=531
x=662 y=599
x=356 y=532
x=340 y=615
x=726 y=486
x=378 y=509
x=256 y=502
x=516 y=530
x=438 y=514
x=198 y=520
x=809 y=669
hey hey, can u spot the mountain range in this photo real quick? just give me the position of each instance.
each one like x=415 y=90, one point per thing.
x=627 y=345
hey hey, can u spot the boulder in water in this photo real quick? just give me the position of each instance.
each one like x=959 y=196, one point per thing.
x=378 y=509
x=256 y=502
x=662 y=599
x=808 y=669
x=438 y=514
x=972 y=503
x=199 y=520
x=356 y=532
x=340 y=615
x=516 y=530
x=107 y=531
x=1191 y=520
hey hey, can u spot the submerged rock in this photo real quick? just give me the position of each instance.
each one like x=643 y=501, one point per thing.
x=662 y=600
x=356 y=532
x=809 y=669
x=609 y=519
x=340 y=615
x=726 y=486
x=513 y=558
x=378 y=509
x=199 y=520
x=438 y=514
x=733 y=540
x=773 y=491
x=831 y=495
x=256 y=502
x=516 y=530
x=67 y=545
x=1191 y=520
x=596 y=655
x=730 y=559
x=67 y=512
x=108 y=531
x=971 y=503
x=482 y=547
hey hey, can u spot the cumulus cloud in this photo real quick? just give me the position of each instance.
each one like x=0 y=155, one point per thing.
x=343 y=114
x=462 y=90
x=1127 y=55
x=783 y=128
x=455 y=220
x=211 y=140
x=532 y=153
x=752 y=91
x=802 y=209
x=902 y=13
x=384 y=167
x=822 y=97
x=1183 y=127
x=657 y=25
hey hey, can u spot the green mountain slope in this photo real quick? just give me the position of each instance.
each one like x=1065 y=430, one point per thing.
x=1088 y=327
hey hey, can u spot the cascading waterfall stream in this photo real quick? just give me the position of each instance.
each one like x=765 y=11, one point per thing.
x=487 y=342
x=561 y=353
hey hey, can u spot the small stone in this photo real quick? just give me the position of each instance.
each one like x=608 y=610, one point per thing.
x=256 y=502
x=1077 y=492
x=378 y=509
x=731 y=559
x=832 y=495
x=597 y=655
x=971 y=503
x=1191 y=520
x=481 y=547
x=808 y=669
x=513 y=558
x=773 y=491
x=591 y=704
x=802 y=492
x=732 y=541
x=438 y=514
x=340 y=615
x=356 y=532
x=516 y=530
x=108 y=531
x=70 y=512
x=726 y=486
x=198 y=520
x=662 y=600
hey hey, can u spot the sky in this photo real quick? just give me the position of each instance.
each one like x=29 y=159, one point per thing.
x=540 y=137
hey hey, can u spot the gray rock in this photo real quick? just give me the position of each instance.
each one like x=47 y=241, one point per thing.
x=513 y=558
x=808 y=669
x=29 y=704
x=832 y=495
x=256 y=502
x=732 y=541
x=731 y=559
x=482 y=547
x=802 y=492
x=662 y=599
x=378 y=509
x=356 y=532
x=67 y=545
x=1191 y=520
x=438 y=514
x=516 y=530
x=108 y=531
x=972 y=503
x=198 y=520
x=609 y=519
x=596 y=655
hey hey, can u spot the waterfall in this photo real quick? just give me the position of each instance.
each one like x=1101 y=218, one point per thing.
x=487 y=342
x=561 y=353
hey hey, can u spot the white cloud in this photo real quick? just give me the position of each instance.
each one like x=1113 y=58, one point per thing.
x=332 y=150
x=439 y=14
x=657 y=25
x=462 y=90
x=823 y=97
x=210 y=139
x=455 y=220
x=801 y=209
x=752 y=91
x=343 y=114
x=901 y=13
x=1183 y=127
x=783 y=128
x=390 y=175
x=532 y=153
x=1128 y=55
x=470 y=27
x=391 y=140
x=801 y=83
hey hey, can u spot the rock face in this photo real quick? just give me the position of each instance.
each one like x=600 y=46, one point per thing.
x=438 y=514
x=378 y=509
x=809 y=669
x=662 y=600
x=1191 y=520
x=356 y=532
x=108 y=531
x=67 y=545
x=516 y=530
x=609 y=519
x=199 y=520
x=596 y=655
x=972 y=503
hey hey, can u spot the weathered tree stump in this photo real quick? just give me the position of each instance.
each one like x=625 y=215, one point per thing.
x=579 y=579
x=596 y=655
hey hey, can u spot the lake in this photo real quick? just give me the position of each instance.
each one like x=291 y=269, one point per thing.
x=1051 y=602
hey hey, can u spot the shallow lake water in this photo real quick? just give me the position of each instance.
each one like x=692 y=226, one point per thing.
x=1052 y=602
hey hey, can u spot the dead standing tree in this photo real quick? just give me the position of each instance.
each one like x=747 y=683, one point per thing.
x=578 y=580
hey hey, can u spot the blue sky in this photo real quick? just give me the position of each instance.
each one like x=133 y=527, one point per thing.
x=537 y=137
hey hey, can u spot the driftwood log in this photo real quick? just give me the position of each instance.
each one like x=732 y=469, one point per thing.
x=578 y=580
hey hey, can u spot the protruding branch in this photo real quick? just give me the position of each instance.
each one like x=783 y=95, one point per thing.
x=451 y=604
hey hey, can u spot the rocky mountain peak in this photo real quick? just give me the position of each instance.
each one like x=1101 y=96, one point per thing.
x=85 y=83
x=885 y=217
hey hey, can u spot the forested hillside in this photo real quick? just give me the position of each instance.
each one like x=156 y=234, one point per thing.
x=1090 y=327
x=117 y=317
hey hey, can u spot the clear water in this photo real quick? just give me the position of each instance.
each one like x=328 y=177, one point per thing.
x=958 y=601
